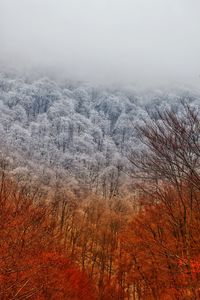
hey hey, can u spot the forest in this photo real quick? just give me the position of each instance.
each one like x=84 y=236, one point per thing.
x=99 y=191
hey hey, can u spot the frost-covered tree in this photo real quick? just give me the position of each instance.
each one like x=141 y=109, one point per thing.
x=83 y=131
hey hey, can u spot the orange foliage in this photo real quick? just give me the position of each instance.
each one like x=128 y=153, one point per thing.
x=161 y=249
x=30 y=264
x=100 y=250
x=50 y=276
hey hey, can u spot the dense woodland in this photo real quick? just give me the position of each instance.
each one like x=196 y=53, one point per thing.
x=99 y=191
x=78 y=132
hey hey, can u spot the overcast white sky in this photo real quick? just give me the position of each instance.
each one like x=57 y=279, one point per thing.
x=105 y=40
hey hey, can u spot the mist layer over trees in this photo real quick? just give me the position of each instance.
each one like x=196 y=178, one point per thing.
x=99 y=150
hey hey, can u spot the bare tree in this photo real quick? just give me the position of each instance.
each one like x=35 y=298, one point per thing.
x=169 y=171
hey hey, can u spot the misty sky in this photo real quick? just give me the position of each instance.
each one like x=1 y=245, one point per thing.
x=104 y=40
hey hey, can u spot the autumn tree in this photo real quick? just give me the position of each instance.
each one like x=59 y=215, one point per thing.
x=168 y=168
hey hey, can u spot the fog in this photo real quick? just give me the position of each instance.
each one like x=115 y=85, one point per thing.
x=124 y=41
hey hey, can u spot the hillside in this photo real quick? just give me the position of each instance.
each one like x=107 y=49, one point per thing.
x=77 y=132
